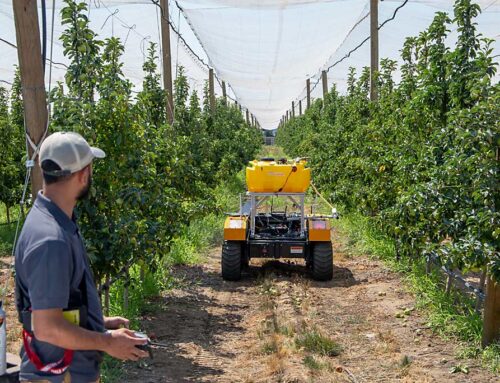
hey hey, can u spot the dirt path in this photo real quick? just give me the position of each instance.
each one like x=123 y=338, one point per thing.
x=278 y=326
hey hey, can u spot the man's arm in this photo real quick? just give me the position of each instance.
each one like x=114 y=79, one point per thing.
x=51 y=327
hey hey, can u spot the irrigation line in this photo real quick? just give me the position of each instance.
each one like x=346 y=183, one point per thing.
x=436 y=260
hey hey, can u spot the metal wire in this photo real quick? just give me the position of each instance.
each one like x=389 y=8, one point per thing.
x=354 y=49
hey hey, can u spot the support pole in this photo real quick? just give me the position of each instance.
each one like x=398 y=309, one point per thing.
x=491 y=318
x=293 y=109
x=324 y=80
x=33 y=86
x=211 y=90
x=308 y=89
x=300 y=107
x=491 y=315
x=224 y=95
x=167 y=61
x=373 y=48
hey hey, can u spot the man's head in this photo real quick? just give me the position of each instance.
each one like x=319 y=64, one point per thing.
x=66 y=163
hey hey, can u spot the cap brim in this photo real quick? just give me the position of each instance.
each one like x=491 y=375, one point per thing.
x=97 y=153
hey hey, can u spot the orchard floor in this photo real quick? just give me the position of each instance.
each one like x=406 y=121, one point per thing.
x=247 y=331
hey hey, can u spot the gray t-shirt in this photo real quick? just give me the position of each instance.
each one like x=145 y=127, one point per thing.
x=50 y=262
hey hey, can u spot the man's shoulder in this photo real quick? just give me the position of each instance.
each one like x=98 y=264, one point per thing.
x=39 y=231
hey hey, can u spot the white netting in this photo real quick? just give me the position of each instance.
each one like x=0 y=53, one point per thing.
x=264 y=49
x=267 y=49
x=135 y=23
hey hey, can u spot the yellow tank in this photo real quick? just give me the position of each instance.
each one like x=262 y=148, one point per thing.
x=269 y=176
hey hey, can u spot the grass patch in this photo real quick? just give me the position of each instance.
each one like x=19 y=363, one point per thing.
x=7 y=232
x=111 y=370
x=451 y=316
x=269 y=348
x=315 y=365
x=315 y=342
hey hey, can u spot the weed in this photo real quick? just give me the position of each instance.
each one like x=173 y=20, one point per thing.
x=315 y=342
x=489 y=356
x=311 y=363
x=111 y=370
x=269 y=348
x=405 y=361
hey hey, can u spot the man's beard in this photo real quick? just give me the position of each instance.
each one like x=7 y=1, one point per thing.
x=84 y=193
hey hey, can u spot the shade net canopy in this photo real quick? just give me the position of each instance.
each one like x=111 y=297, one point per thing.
x=135 y=23
x=263 y=49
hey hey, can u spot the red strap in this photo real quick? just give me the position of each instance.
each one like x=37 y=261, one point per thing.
x=55 y=368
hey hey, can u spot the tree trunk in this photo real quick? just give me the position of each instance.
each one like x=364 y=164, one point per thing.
x=106 y=295
x=125 y=298
x=449 y=283
x=7 y=210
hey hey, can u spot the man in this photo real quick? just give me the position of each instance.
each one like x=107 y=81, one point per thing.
x=64 y=331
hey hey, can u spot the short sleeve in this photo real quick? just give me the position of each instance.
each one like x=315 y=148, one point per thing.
x=48 y=272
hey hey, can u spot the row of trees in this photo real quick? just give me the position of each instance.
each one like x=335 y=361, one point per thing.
x=12 y=140
x=423 y=161
x=157 y=177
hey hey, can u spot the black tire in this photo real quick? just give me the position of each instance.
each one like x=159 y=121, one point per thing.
x=231 y=261
x=322 y=261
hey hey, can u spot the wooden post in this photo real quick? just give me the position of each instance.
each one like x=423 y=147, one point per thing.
x=211 y=89
x=300 y=107
x=491 y=316
x=293 y=108
x=167 y=61
x=248 y=117
x=308 y=90
x=324 y=80
x=224 y=95
x=29 y=53
x=373 y=48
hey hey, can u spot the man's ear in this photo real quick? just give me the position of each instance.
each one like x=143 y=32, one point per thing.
x=83 y=175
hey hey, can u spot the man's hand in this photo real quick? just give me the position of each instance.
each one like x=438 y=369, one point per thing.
x=122 y=345
x=113 y=323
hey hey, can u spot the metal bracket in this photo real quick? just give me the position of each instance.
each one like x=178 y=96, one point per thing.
x=30 y=163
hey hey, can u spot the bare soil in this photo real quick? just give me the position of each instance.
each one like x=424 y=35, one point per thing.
x=250 y=331
x=14 y=329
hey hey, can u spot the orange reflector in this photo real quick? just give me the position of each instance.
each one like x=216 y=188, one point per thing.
x=319 y=225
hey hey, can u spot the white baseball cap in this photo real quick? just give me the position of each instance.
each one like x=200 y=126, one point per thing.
x=69 y=150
